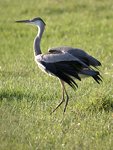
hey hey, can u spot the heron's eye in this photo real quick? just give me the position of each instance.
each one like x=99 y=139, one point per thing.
x=32 y=20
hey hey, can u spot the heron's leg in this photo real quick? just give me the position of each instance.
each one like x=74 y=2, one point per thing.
x=62 y=84
x=67 y=97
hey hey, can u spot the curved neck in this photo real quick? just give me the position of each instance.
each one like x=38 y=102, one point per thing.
x=37 y=39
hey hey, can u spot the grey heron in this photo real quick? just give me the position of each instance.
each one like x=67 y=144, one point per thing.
x=65 y=63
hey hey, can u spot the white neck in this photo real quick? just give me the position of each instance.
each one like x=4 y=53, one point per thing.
x=37 y=39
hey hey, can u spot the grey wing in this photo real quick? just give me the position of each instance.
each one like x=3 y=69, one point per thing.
x=80 y=54
x=64 y=66
x=58 y=57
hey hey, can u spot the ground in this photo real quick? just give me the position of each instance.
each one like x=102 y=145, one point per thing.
x=27 y=95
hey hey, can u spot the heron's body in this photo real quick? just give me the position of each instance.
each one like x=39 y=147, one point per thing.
x=65 y=63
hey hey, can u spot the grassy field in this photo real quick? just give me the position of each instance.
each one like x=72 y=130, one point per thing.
x=27 y=95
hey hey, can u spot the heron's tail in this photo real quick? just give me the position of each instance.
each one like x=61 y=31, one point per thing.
x=97 y=78
x=95 y=74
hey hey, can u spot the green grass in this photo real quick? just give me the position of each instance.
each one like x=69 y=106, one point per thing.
x=27 y=95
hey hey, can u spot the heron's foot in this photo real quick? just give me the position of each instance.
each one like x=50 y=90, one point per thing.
x=57 y=106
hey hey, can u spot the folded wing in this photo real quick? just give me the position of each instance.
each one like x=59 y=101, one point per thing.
x=80 y=54
x=65 y=66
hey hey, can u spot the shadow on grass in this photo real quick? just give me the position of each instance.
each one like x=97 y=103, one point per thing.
x=105 y=103
x=9 y=95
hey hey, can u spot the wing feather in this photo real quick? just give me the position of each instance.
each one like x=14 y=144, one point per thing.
x=78 y=53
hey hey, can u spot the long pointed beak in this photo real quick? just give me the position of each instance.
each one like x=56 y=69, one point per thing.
x=23 y=21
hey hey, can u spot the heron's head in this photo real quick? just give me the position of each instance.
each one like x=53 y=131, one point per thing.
x=35 y=21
